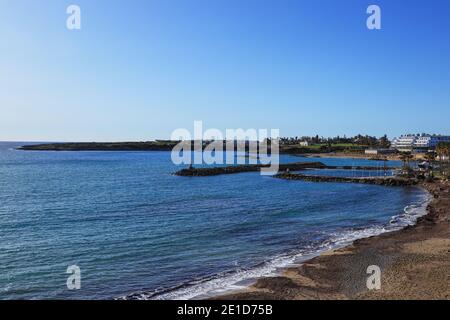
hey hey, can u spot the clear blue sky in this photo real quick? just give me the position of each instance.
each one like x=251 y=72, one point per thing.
x=137 y=70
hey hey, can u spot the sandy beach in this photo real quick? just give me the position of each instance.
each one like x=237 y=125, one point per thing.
x=414 y=264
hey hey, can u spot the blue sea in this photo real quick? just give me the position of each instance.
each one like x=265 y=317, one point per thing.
x=136 y=230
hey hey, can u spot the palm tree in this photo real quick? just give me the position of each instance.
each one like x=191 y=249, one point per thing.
x=443 y=152
x=430 y=157
x=406 y=158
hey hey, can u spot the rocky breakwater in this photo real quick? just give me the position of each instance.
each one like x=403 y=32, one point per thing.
x=202 y=172
x=384 y=181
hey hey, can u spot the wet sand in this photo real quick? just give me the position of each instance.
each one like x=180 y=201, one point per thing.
x=414 y=263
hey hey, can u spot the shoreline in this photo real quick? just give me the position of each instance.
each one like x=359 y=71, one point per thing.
x=237 y=283
x=414 y=263
x=167 y=145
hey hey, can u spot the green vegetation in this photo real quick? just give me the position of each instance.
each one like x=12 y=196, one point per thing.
x=296 y=145
x=167 y=145
x=338 y=141
x=322 y=148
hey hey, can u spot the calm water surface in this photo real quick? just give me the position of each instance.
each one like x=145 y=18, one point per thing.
x=132 y=226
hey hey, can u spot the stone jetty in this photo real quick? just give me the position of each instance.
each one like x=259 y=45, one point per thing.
x=208 y=171
x=382 y=181
x=287 y=167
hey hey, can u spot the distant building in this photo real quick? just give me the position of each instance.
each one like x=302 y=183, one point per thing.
x=304 y=143
x=430 y=142
x=379 y=151
x=404 y=143
x=418 y=143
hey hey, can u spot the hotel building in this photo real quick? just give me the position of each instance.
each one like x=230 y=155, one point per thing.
x=418 y=143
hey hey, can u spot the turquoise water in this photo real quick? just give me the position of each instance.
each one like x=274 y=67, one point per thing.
x=134 y=228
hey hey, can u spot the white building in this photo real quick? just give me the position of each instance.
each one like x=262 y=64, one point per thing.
x=418 y=142
x=404 y=143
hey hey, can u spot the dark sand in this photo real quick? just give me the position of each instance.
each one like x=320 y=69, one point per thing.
x=414 y=263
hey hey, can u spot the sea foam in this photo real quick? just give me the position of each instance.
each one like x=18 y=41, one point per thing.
x=239 y=279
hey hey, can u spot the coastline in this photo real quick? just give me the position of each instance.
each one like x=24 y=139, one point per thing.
x=167 y=145
x=347 y=155
x=227 y=285
x=414 y=263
